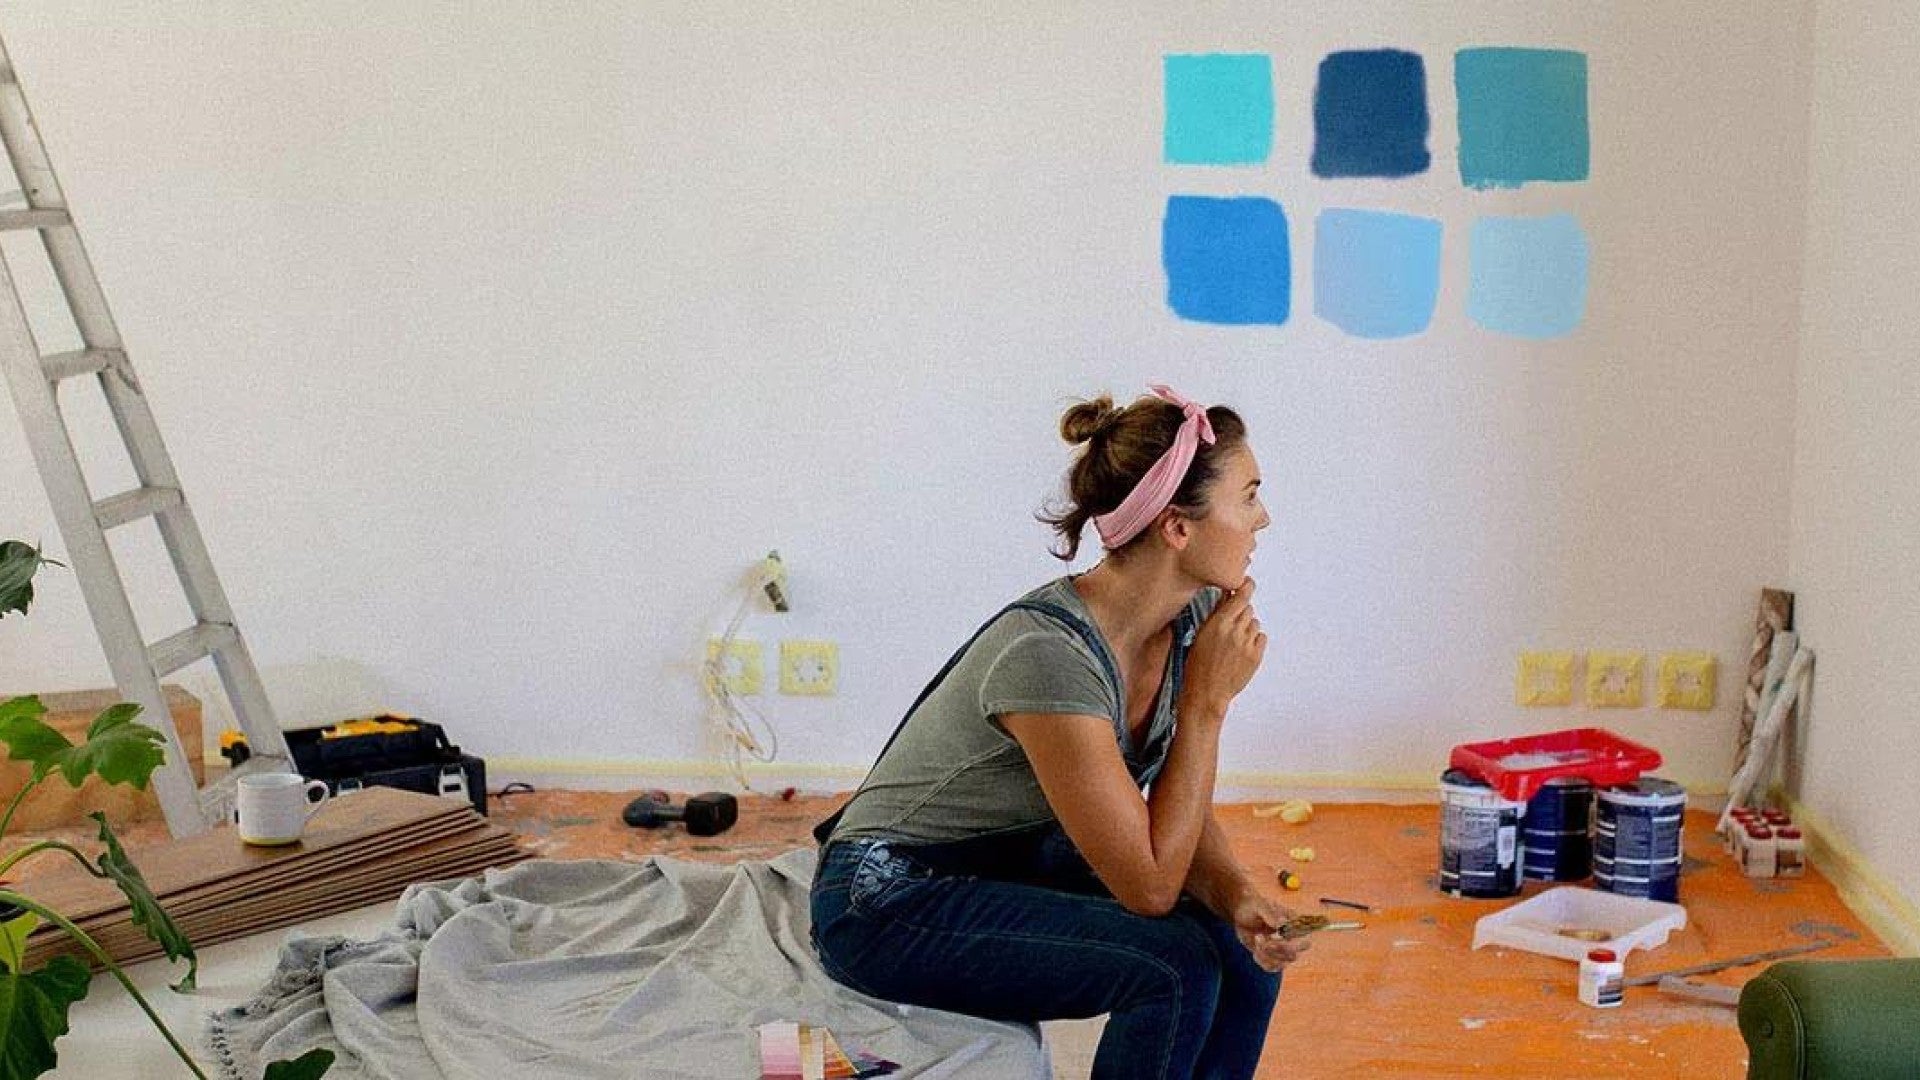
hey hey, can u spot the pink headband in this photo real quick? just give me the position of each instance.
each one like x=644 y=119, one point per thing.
x=1155 y=490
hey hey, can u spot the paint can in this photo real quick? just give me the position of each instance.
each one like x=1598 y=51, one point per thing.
x=1636 y=839
x=1479 y=838
x=1556 y=834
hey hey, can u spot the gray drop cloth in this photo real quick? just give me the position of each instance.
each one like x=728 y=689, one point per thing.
x=591 y=969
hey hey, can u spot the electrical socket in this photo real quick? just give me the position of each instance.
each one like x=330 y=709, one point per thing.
x=741 y=669
x=1616 y=680
x=809 y=667
x=1544 y=678
x=1687 y=680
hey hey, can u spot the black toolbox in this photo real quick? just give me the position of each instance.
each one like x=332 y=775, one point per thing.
x=389 y=751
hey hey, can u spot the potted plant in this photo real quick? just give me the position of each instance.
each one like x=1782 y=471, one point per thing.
x=34 y=1004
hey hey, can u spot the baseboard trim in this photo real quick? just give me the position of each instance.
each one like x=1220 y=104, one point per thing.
x=619 y=775
x=1865 y=891
x=1235 y=785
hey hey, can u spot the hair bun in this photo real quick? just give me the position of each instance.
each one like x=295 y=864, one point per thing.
x=1088 y=418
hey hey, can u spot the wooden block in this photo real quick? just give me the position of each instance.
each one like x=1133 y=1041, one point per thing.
x=54 y=803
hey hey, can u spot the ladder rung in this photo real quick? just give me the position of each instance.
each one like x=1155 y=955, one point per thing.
x=194 y=643
x=72 y=365
x=141 y=502
x=33 y=219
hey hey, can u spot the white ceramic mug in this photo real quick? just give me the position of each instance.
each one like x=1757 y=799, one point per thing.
x=272 y=808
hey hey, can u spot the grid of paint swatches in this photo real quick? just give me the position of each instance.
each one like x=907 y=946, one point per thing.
x=1522 y=119
x=795 y=1051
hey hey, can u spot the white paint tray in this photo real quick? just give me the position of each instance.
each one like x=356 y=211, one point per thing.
x=1535 y=925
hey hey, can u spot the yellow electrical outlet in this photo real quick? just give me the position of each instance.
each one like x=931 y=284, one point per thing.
x=1615 y=680
x=1687 y=680
x=740 y=670
x=809 y=668
x=1544 y=678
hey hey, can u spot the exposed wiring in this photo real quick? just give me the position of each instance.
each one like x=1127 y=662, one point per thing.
x=744 y=732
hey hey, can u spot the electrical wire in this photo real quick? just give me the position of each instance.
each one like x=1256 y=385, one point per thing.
x=733 y=717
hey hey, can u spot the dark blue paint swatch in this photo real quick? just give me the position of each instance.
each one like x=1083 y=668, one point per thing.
x=1227 y=260
x=1370 y=114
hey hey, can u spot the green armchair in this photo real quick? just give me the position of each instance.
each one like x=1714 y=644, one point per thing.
x=1833 y=1020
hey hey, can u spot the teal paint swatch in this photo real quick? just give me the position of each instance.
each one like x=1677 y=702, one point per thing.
x=1219 y=109
x=1375 y=275
x=1523 y=116
x=1227 y=260
x=1527 y=277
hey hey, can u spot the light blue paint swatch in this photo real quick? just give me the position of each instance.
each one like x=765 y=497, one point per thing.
x=1527 y=276
x=1523 y=116
x=1219 y=109
x=1228 y=260
x=1375 y=275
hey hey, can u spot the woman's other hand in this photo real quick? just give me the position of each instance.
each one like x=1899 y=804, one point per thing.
x=1257 y=921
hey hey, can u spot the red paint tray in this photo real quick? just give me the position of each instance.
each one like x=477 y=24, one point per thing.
x=1517 y=767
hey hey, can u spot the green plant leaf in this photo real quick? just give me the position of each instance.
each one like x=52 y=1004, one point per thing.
x=33 y=1013
x=30 y=739
x=308 y=1066
x=15 y=924
x=146 y=910
x=18 y=561
x=118 y=750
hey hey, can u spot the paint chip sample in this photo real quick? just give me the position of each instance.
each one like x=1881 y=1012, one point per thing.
x=1523 y=116
x=1227 y=260
x=1527 y=276
x=1370 y=114
x=1219 y=109
x=1615 y=680
x=1375 y=275
x=1544 y=678
x=1686 y=681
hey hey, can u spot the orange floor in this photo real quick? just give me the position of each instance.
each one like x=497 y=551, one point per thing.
x=1404 y=997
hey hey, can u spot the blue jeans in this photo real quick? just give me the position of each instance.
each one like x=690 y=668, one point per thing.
x=1036 y=937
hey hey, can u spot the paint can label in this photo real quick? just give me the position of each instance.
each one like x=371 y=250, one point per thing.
x=1479 y=838
x=1637 y=839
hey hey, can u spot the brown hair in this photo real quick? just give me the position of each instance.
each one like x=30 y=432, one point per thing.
x=1120 y=446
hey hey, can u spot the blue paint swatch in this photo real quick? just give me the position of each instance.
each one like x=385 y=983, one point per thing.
x=1370 y=115
x=1527 y=276
x=1227 y=260
x=1375 y=275
x=1219 y=109
x=1523 y=115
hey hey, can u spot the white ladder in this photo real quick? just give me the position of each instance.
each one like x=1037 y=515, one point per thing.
x=34 y=379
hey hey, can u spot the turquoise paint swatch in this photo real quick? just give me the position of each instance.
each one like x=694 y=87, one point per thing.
x=1219 y=109
x=1228 y=260
x=1375 y=275
x=1527 y=277
x=1523 y=116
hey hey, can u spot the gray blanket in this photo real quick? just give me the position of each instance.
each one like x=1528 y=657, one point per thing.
x=591 y=969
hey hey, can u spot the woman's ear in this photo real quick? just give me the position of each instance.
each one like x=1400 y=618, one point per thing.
x=1175 y=529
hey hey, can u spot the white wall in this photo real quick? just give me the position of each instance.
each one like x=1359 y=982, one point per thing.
x=1856 y=496
x=495 y=342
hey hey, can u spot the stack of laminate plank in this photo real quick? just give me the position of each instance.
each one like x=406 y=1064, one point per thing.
x=361 y=848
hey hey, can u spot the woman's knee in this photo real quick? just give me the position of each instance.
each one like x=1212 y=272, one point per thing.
x=1179 y=958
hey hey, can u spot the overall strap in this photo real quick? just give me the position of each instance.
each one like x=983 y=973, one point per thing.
x=1043 y=607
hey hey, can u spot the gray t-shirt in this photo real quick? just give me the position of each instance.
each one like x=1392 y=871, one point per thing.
x=954 y=772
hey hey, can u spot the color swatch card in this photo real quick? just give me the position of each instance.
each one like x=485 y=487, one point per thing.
x=794 y=1051
x=780 y=1051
